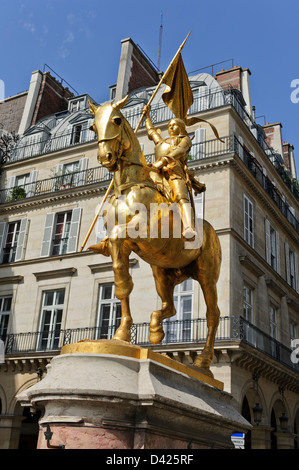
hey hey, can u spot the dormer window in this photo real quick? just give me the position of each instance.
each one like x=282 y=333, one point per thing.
x=79 y=132
x=77 y=105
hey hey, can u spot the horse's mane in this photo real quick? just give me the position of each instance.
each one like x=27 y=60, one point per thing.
x=134 y=140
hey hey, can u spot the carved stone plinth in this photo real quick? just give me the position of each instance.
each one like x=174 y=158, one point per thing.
x=112 y=395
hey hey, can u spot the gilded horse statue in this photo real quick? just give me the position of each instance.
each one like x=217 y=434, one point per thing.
x=171 y=262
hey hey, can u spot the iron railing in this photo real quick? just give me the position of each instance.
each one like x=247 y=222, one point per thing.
x=177 y=332
x=205 y=149
x=99 y=174
x=58 y=183
x=263 y=180
x=159 y=113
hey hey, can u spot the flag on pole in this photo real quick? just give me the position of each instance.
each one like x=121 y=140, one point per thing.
x=177 y=95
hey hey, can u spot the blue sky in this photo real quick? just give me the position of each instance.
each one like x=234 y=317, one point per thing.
x=81 y=41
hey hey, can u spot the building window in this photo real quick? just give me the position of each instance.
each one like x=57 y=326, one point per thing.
x=273 y=330
x=179 y=327
x=51 y=316
x=248 y=221
x=272 y=246
x=13 y=240
x=292 y=269
x=273 y=322
x=79 y=133
x=70 y=174
x=292 y=274
x=109 y=312
x=61 y=233
x=293 y=330
x=77 y=105
x=10 y=247
x=248 y=330
x=22 y=180
x=248 y=303
x=5 y=310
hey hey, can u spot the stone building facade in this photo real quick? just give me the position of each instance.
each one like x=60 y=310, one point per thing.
x=53 y=294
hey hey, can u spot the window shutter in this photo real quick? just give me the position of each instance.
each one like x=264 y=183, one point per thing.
x=199 y=205
x=22 y=240
x=101 y=231
x=240 y=147
x=277 y=252
x=199 y=144
x=82 y=175
x=287 y=259
x=10 y=185
x=57 y=173
x=296 y=272
x=74 y=230
x=3 y=233
x=48 y=234
x=268 y=242
x=31 y=186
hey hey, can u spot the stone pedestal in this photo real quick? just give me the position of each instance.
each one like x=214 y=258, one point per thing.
x=112 y=395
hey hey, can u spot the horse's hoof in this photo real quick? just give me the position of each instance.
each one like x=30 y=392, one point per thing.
x=101 y=248
x=203 y=361
x=122 y=335
x=156 y=335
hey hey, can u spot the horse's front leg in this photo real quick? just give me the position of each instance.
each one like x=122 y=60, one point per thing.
x=213 y=316
x=165 y=282
x=123 y=286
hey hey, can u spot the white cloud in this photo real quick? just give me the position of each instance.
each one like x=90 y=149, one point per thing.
x=30 y=27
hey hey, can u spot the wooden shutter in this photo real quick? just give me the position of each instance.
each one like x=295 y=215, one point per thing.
x=31 y=186
x=287 y=260
x=296 y=272
x=57 y=172
x=268 y=241
x=22 y=239
x=100 y=231
x=277 y=252
x=48 y=234
x=82 y=175
x=3 y=233
x=74 y=230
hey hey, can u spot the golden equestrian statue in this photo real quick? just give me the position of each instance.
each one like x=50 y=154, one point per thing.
x=161 y=184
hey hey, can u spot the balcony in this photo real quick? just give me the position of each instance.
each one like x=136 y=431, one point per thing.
x=205 y=149
x=189 y=333
x=159 y=113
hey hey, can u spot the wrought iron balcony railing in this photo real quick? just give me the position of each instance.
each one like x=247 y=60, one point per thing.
x=178 y=332
x=159 y=113
x=205 y=149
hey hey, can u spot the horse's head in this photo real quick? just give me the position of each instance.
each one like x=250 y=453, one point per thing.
x=109 y=125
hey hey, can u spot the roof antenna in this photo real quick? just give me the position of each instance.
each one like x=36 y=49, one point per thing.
x=160 y=44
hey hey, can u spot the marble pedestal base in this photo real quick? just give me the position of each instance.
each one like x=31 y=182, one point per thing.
x=117 y=396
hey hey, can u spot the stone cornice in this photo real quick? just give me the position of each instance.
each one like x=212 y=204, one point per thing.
x=11 y=280
x=54 y=273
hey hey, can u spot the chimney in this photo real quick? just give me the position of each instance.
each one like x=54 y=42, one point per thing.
x=34 y=88
x=273 y=136
x=289 y=159
x=237 y=78
x=135 y=70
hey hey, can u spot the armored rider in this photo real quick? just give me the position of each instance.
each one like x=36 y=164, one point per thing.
x=171 y=158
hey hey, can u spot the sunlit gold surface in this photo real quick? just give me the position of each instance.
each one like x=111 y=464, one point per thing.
x=167 y=180
x=121 y=348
